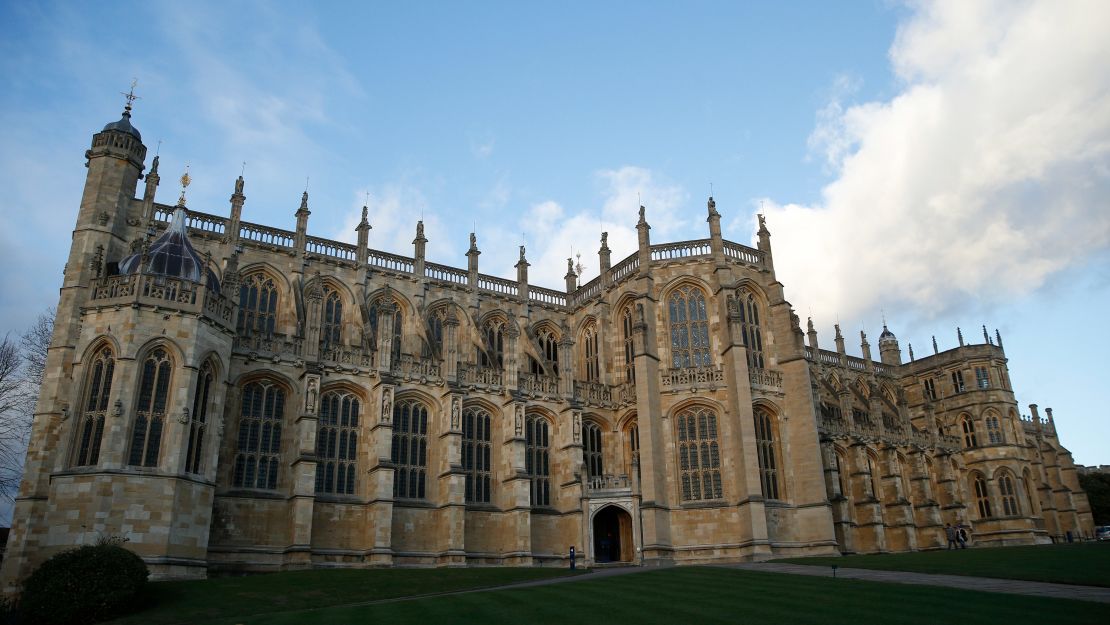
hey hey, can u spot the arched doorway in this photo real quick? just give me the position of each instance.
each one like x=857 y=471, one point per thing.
x=612 y=535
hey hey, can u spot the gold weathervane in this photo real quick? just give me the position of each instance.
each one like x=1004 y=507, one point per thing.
x=185 y=181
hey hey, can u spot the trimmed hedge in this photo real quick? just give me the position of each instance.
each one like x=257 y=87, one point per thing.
x=83 y=585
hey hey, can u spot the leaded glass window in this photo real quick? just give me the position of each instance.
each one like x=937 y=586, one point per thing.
x=689 y=328
x=592 y=450
x=629 y=351
x=766 y=451
x=537 y=462
x=493 y=334
x=982 y=499
x=699 y=457
x=476 y=450
x=337 y=443
x=198 y=419
x=750 y=330
x=968 y=426
x=258 y=448
x=410 y=449
x=994 y=429
x=258 y=300
x=150 y=414
x=331 y=330
x=589 y=342
x=90 y=426
x=1009 y=498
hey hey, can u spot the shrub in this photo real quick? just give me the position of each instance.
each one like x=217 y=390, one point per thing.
x=83 y=585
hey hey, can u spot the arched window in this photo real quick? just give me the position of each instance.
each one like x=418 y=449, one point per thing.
x=198 y=419
x=331 y=328
x=873 y=475
x=907 y=492
x=629 y=351
x=259 y=444
x=633 y=436
x=476 y=450
x=1009 y=496
x=410 y=449
x=90 y=427
x=150 y=414
x=591 y=439
x=699 y=457
x=841 y=462
x=968 y=426
x=994 y=429
x=536 y=459
x=765 y=449
x=435 y=333
x=549 y=349
x=337 y=443
x=689 y=328
x=258 y=299
x=388 y=312
x=982 y=500
x=589 y=343
x=750 y=330
x=493 y=335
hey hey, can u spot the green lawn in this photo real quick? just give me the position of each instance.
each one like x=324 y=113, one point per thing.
x=204 y=601
x=1079 y=563
x=709 y=595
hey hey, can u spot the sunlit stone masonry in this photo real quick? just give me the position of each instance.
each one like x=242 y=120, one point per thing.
x=231 y=396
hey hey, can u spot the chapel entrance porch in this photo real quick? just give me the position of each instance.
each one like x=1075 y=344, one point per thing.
x=612 y=536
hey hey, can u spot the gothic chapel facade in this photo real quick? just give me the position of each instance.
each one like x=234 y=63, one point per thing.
x=231 y=396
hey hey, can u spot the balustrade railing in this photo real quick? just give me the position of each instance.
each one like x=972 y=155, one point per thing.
x=626 y=393
x=164 y=291
x=497 y=285
x=389 y=262
x=334 y=249
x=743 y=253
x=409 y=365
x=443 y=273
x=265 y=235
x=681 y=249
x=533 y=384
x=892 y=435
x=765 y=378
x=269 y=343
x=625 y=269
x=349 y=356
x=587 y=291
x=608 y=482
x=483 y=376
x=547 y=296
x=195 y=220
x=688 y=376
x=593 y=393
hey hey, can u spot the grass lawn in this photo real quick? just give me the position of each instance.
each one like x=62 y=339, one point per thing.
x=709 y=595
x=203 y=601
x=1079 y=563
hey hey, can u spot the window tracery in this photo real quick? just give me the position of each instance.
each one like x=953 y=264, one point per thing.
x=337 y=443
x=766 y=451
x=331 y=327
x=537 y=459
x=1009 y=496
x=750 y=329
x=982 y=499
x=258 y=300
x=968 y=427
x=90 y=428
x=198 y=419
x=592 y=449
x=150 y=413
x=410 y=448
x=493 y=335
x=629 y=350
x=994 y=428
x=590 y=355
x=699 y=456
x=259 y=440
x=476 y=451
x=689 y=328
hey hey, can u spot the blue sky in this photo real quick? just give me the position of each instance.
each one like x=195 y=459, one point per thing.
x=945 y=163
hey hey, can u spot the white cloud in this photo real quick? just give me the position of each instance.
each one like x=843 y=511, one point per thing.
x=393 y=210
x=984 y=176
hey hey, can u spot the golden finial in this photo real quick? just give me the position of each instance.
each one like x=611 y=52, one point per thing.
x=185 y=181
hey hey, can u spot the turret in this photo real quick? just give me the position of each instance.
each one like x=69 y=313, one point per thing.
x=889 y=352
x=302 y=223
x=764 y=244
x=115 y=163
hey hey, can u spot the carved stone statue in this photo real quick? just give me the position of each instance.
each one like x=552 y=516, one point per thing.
x=520 y=420
x=239 y=186
x=310 y=397
x=456 y=413
x=387 y=405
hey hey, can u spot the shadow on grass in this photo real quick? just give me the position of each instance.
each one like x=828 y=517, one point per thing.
x=1086 y=564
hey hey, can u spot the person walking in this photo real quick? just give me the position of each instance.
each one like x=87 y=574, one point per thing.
x=950 y=534
x=961 y=536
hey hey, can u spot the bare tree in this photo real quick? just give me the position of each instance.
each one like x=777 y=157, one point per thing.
x=21 y=369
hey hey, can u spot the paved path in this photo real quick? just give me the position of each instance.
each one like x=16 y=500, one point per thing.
x=985 y=584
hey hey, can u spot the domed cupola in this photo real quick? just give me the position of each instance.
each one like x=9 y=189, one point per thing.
x=887 y=336
x=124 y=125
x=172 y=255
x=889 y=352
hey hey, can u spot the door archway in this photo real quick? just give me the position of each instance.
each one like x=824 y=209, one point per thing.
x=612 y=527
